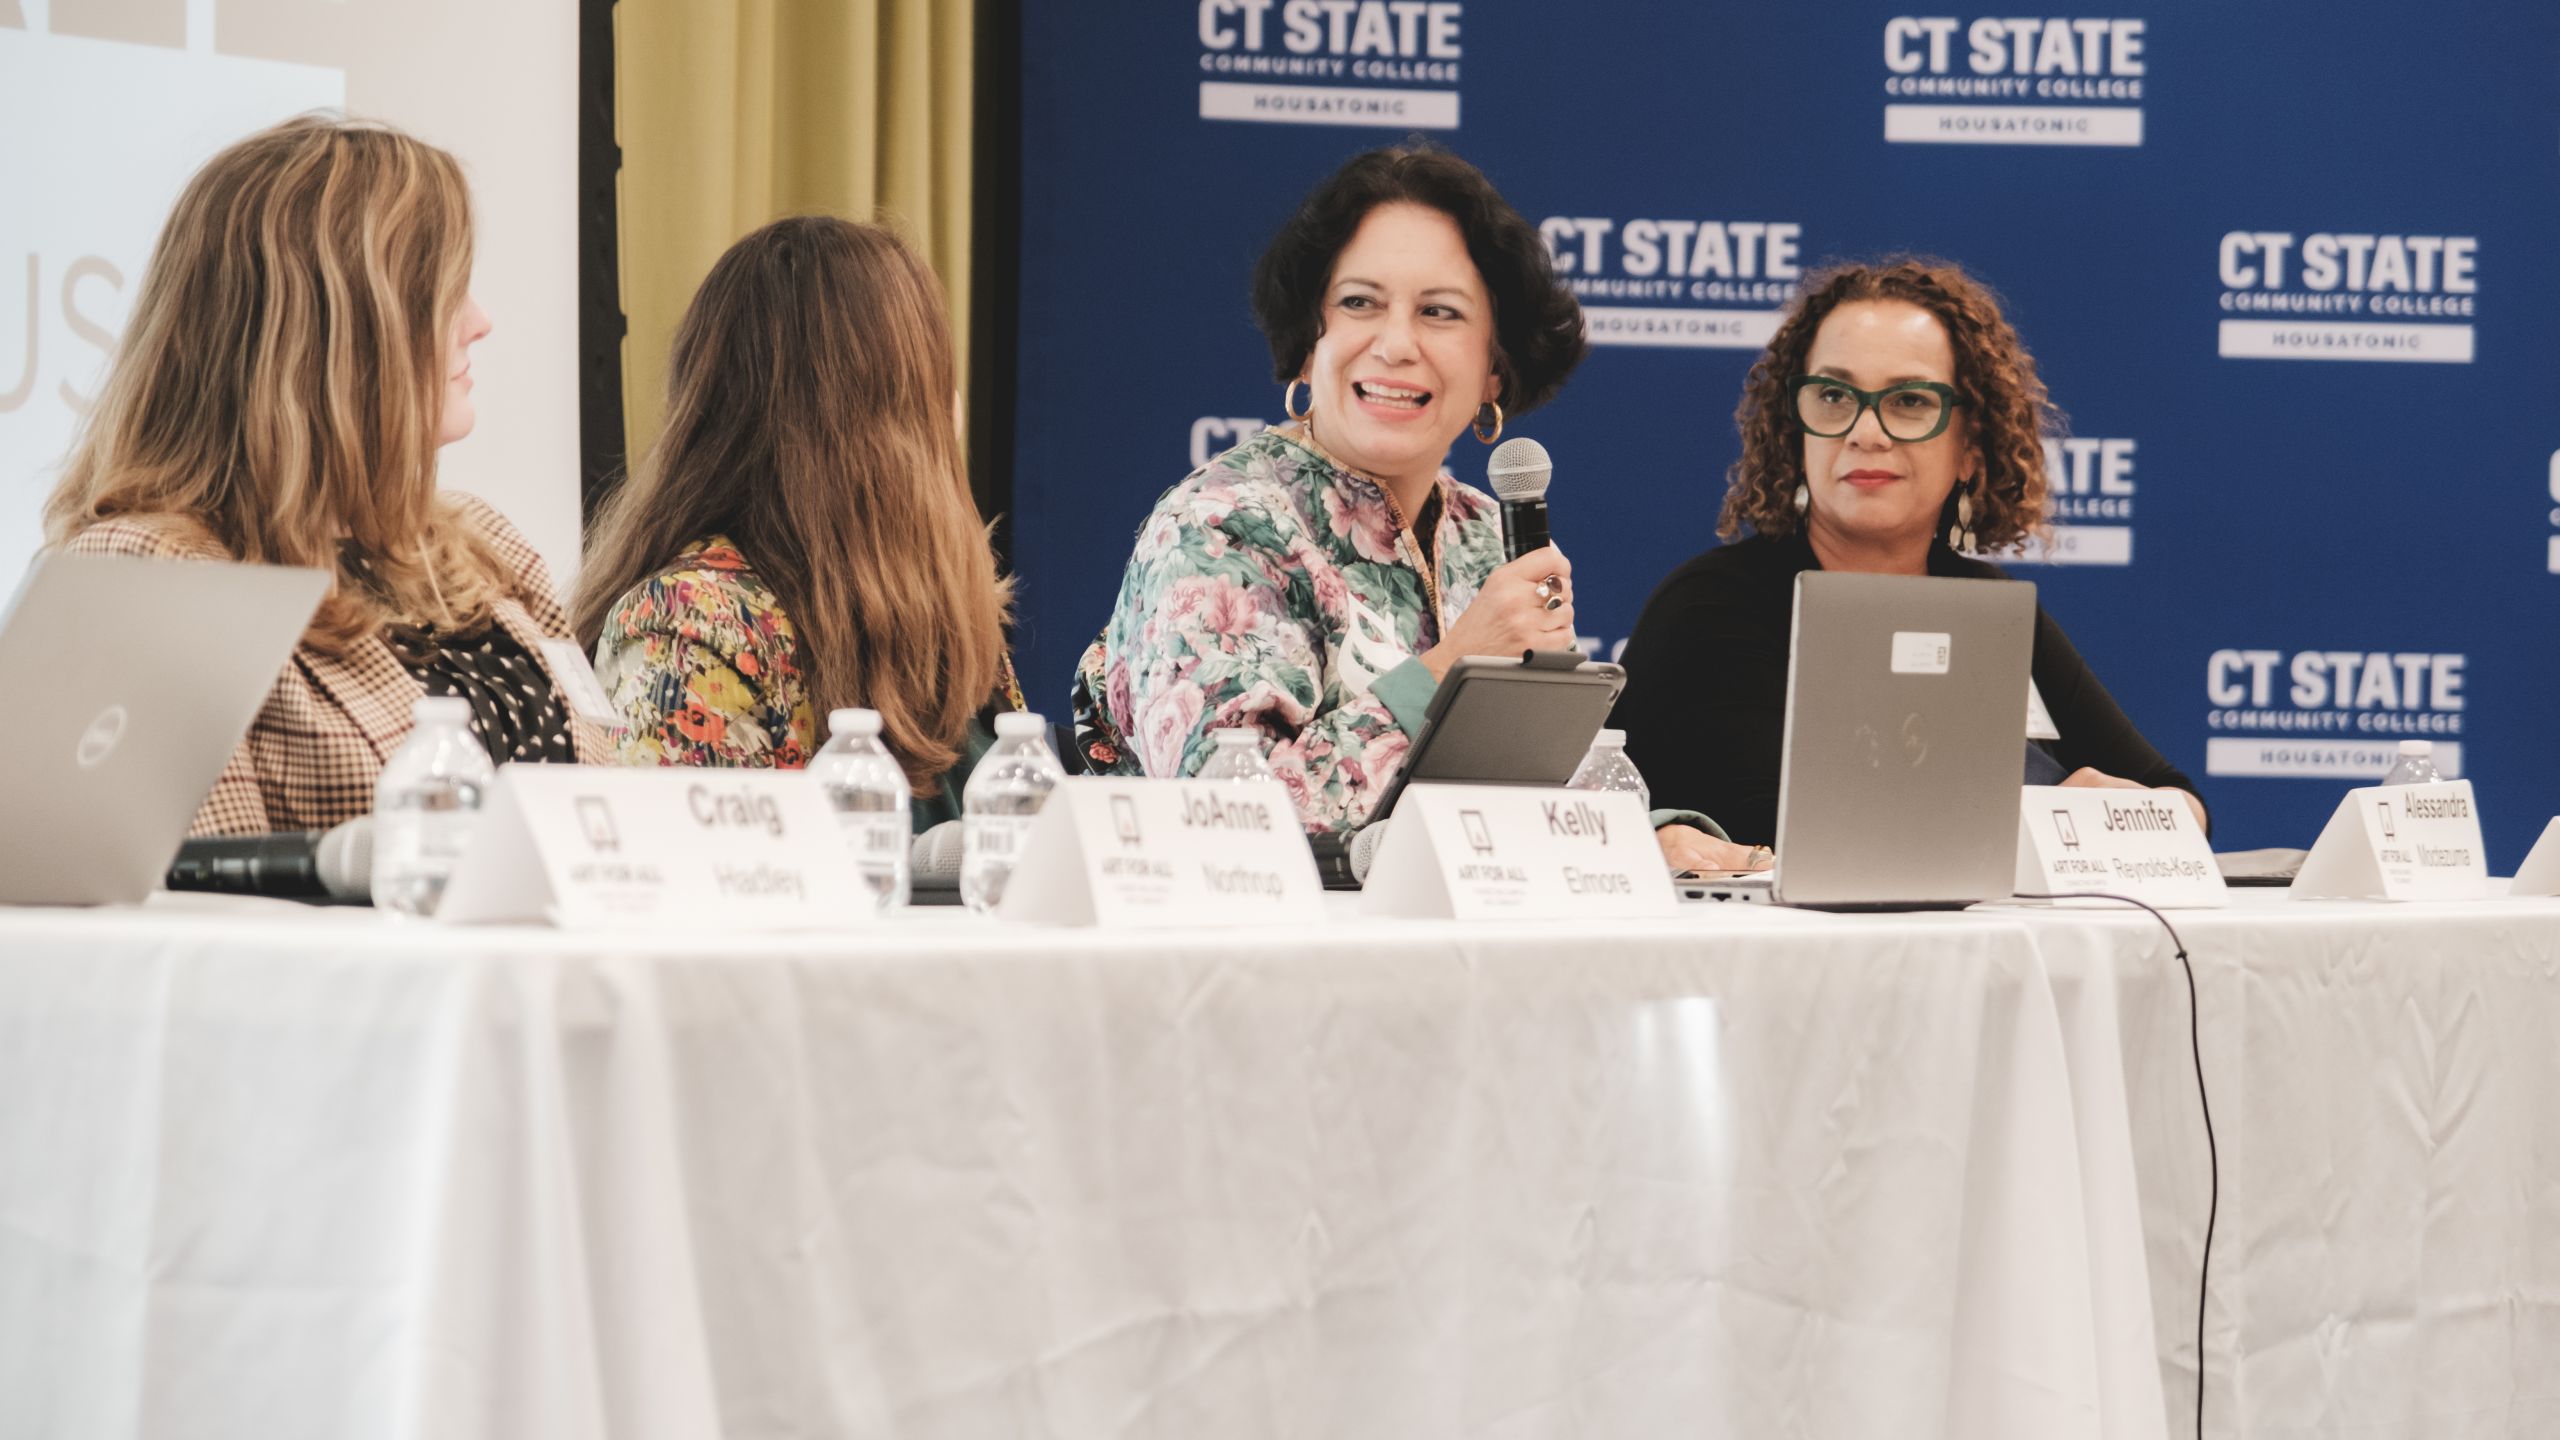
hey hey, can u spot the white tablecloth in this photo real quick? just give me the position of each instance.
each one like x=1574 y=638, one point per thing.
x=2385 y=1084
x=274 y=1174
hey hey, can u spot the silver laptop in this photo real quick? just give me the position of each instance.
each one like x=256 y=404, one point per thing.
x=134 y=681
x=1898 y=787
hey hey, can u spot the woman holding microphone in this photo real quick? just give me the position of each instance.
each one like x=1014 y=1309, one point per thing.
x=1317 y=581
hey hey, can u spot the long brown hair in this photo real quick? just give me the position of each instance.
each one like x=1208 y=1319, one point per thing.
x=281 y=383
x=2005 y=403
x=810 y=418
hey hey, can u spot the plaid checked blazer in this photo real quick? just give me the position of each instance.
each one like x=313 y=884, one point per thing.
x=312 y=756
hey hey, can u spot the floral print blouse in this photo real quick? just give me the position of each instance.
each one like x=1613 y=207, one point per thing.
x=704 y=667
x=1274 y=589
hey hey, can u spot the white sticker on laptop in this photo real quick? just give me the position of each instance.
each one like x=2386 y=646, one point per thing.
x=1921 y=652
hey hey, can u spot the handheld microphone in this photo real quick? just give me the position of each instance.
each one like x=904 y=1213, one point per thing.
x=1519 y=472
x=333 y=864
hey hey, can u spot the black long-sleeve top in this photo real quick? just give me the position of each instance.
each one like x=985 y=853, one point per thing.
x=1706 y=698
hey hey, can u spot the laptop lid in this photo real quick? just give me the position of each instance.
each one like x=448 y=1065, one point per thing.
x=1898 y=785
x=137 y=679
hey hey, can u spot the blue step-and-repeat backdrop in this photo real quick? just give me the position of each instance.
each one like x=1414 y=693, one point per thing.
x=2291 y=269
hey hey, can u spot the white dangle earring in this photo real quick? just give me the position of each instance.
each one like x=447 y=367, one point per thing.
x=1804 y=497
x=1960 y=536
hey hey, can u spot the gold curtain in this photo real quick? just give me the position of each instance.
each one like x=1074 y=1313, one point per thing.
x=732 y=113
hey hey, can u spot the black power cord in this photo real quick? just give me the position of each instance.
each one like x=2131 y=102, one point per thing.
x=2213 y=1156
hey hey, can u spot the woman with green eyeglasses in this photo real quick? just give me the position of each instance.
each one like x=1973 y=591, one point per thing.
x=1895 y=426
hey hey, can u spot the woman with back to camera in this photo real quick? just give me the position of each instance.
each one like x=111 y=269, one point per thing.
x=1895 y=421
x=1317 y=581
x=801 y=538
x=299 y=350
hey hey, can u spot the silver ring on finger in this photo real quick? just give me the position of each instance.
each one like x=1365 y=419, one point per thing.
x=1555 y=602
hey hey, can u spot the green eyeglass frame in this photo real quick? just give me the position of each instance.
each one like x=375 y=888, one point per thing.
x=1874 y=400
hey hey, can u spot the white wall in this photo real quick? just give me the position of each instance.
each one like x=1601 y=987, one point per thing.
x=106 y=106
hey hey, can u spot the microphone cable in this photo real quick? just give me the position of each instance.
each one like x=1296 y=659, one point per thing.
x=2204 y=1103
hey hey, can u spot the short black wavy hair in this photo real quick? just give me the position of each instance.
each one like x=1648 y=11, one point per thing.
x=1537 y=324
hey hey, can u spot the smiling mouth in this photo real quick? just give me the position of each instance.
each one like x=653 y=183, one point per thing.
x=1400 y=397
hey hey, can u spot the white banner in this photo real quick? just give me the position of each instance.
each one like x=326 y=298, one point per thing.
x=2013 y=124
x=1671 y=328
x=2324 y=759
x=2345 y=340
x=1329 y=105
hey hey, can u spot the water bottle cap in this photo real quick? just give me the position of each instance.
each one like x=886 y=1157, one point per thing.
x=853 y=720
x=441 y=710
x=1237 y=735
x=1617 y=738
x=1015 y=724
x=2417 y=747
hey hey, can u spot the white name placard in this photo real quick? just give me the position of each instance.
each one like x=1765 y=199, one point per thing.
x=610 y=847
x=1494 y=852
x=2540 y=872
x=2140 y=843
x=2399 y=842
x=1125 y=852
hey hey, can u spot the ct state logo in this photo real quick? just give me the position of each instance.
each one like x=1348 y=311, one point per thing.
x=2348 y=295
x=98 y=741
x=1711 y=284
x=1392 y=63
x=2060 y=81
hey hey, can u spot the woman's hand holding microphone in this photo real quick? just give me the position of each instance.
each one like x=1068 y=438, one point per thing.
x=1525 y=605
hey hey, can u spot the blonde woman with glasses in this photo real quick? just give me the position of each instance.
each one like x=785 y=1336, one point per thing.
x=299 y=351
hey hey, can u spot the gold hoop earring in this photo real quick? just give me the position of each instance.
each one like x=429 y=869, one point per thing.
x=1291 y=389
x=1497 y=422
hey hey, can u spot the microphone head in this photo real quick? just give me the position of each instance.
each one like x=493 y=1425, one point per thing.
x=1519 y=470
x=933 y=858
x=344 y=859
x=1364 y=848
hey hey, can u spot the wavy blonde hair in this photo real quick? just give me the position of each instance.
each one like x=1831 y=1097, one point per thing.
x=811 y=419
x=281 y=383
x=2006 y=409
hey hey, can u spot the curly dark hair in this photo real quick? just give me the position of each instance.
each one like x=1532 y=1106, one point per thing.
x=1537 y=324
x=2004 y=400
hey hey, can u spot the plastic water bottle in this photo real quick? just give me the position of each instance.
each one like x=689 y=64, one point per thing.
x=1002 y=798
x=2417 y=764
x=1606 y=767
x=425 y=807
x=869 y=792
x=1238 y=756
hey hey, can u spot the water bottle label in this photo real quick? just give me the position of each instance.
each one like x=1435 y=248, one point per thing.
x=999 y=837
x=443 y=837
x=877 y=836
